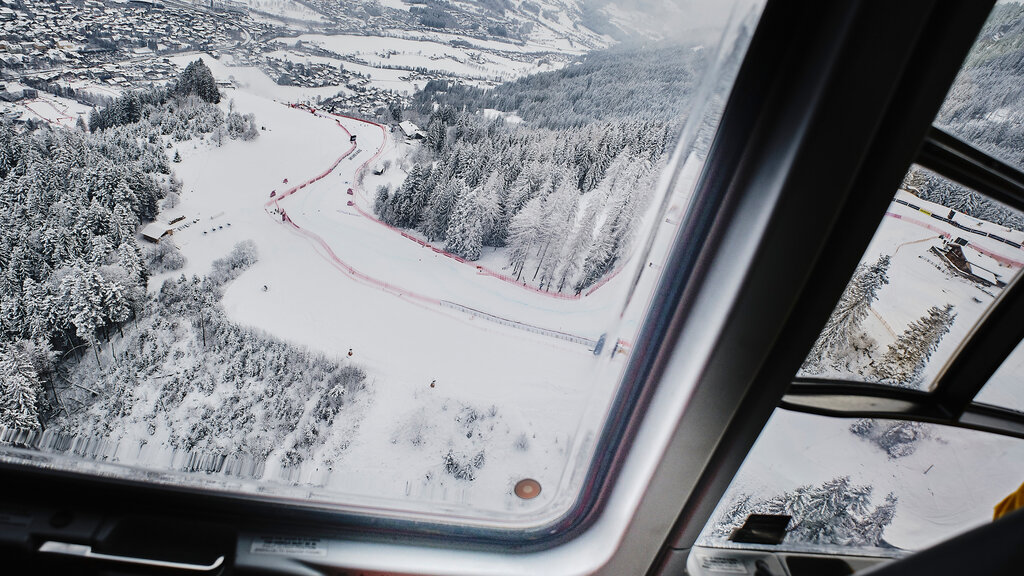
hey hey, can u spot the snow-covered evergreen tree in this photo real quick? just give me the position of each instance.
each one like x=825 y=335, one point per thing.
x=896 y=438
x=465 y=228
x=852 y=309
x=559 y=220
x=440 y=208
x=197 y=79
x=581 y=238
x=19 y=390
x=493 y=217
x=906 y=358
x=836 y=512
x=380 y=202
x=523 y=232
x=620 y=214
x=436 y=136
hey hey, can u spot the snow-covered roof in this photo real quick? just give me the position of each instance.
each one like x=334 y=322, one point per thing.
x=979 y=260
x=984 y=274
x=408 y=128
x=155 y=230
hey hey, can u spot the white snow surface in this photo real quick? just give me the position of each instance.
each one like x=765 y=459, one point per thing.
x=1004 y=389
x=285 y=8
x=528 y=390
x=549 y=397
x=947 y=486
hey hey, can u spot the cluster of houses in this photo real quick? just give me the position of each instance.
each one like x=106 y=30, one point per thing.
x=128 y=74
x=39 y=33
x=366 y=101
x=312 y=75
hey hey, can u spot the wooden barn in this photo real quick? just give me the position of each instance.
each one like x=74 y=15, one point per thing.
x=154 y=231
x=970 y=267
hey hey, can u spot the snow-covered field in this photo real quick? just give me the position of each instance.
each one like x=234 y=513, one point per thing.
x=381 y=51
x=286 y=9
x=539 y=42
x=529 y=402
x=919 y=279
x=947 y=486
x=1004 y=387
x=538 y=401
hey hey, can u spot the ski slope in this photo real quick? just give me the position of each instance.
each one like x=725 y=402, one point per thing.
x=547 y=391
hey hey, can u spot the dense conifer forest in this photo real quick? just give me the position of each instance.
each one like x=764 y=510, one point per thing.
x=561 y=192
x=71 y=202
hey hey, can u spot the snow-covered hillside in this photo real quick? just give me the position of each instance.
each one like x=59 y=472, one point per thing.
x=920 y=278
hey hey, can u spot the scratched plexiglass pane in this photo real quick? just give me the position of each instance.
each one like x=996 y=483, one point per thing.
x=385 y=254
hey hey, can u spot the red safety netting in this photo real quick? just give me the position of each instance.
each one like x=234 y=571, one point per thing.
x=997 y=257
x=400 y=291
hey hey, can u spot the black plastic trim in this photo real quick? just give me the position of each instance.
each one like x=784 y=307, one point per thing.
x=848 y=399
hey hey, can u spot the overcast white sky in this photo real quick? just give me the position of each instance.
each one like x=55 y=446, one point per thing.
x=679 y=18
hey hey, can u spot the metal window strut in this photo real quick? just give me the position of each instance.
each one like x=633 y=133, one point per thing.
x=950 y=401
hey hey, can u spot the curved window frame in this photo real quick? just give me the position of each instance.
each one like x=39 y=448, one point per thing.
x=729 y=326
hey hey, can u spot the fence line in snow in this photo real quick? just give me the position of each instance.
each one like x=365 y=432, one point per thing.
x=520 y=325
x=106 y=450
x=997 y=257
